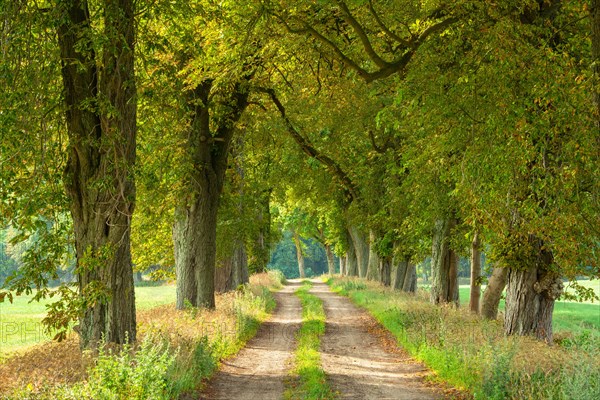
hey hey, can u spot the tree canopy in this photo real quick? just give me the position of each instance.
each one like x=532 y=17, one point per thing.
x=381 y=129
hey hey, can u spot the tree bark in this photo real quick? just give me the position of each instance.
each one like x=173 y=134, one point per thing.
x=299 y=255
x=99 y=174
x=184 y=248
x=373 y=272
x=260 y=249
x=352 y=260
x=410 y=278
x=233 y=271
x=530 y=295
x=493 y=293
x=444 y=265
x=406 y=276
x=195 y=231
x=343 y=265
x=330 y=260
x=385 y=266
x=475 y=274
x=401 y=269
x=362 y=251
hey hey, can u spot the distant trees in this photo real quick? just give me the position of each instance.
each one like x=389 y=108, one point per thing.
x=284 y=257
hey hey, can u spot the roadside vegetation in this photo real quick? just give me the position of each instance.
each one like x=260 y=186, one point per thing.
x=475 y=355
x=309 y=380
x=178 y=351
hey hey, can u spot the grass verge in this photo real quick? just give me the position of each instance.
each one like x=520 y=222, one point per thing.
x=474 y=355
x=177 y=352
x=311 y=381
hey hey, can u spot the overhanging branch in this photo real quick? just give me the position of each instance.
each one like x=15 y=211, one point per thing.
x=362 y=35
x=384 y=68
x=307 y=147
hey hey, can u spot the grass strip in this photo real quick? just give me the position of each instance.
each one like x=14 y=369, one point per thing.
x=311 y=380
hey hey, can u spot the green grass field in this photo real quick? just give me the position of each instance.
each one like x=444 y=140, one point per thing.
x=20 y=325
x=568 y=315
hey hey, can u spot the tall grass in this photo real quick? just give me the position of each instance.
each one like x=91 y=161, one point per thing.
x=179 y=351
x=474 y=355
x=311 y=382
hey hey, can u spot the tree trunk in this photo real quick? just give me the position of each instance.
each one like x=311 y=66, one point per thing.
x=362 y=251
x=385 y=265
x=595 y=17
x=343 y=271
x=299 y=255
x=493 y=293
x=185 y=248
x=406 y=276
x=203 y=227
x=373 y=272
x=410 y=278
x=260 y=250
x=195 y=230
x=99 y=175
x=400 y=274
x=530 y=295
x=475 y=275
x=352 y=261
x=330 y=260
x=224 y=275
x=444 y=265
x=233 y=271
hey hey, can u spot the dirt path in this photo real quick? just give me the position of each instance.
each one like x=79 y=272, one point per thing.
x=259 y=370
x=355 y=360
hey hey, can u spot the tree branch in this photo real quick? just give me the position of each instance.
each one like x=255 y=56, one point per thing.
x=307 y=147
x=358 y=29
x=315 y=34
x=385 y=69
x=384 y=28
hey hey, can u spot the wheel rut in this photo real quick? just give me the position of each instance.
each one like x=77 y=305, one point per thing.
x=355 y=360
x=259 y=369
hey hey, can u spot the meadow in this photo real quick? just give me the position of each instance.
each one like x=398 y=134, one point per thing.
x=20 y=322
x=20 y=325
x=569 y=316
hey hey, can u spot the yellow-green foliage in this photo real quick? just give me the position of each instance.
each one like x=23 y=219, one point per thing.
x=474 y=354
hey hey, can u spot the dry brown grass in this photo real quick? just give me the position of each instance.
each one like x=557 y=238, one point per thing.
x=52 y=363
x=46 y=364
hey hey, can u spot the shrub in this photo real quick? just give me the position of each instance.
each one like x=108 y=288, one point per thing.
x=131 y=375
x=277 y=277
